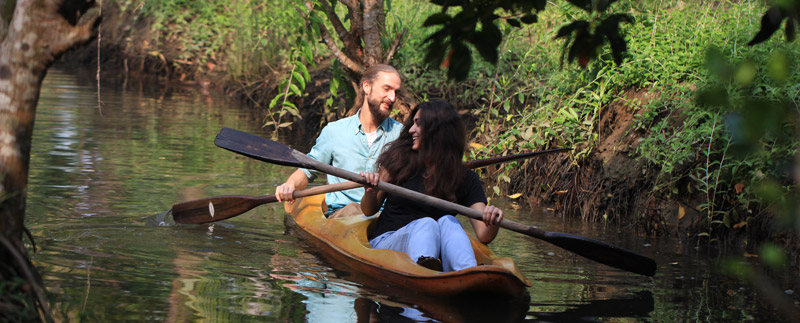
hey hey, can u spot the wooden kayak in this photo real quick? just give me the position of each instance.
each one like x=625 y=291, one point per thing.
x=344 y=240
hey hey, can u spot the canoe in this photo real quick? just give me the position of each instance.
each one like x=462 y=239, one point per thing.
x=344 y=241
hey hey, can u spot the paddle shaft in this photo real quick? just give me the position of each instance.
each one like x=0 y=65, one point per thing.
x=219 y=208
x=494 y=160
x=593 y=249
x=227 y=206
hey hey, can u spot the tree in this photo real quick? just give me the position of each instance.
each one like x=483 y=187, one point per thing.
x=363 y=43
x=33 y=34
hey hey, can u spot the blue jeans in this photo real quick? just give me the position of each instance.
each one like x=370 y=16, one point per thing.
x=444 y=239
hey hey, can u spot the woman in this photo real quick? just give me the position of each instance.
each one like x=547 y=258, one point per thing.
x=427 y=158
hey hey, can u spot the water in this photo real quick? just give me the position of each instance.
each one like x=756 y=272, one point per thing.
x=103 y=175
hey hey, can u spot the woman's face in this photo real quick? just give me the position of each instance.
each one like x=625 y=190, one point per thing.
x=415 y=131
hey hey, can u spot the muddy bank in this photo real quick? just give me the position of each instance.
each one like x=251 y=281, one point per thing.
x=610 y=185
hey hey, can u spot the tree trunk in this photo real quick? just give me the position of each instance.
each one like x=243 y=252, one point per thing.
x=33 y=34
x=362 y=43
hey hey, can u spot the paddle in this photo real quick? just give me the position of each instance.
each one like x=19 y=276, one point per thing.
x=219 y=208
x=223 y=207
x=494 y=160
x=276 y=153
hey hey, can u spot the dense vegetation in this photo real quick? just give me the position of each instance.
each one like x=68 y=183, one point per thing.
x=708 y=121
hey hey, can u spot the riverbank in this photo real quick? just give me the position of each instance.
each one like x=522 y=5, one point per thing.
x=648 y=153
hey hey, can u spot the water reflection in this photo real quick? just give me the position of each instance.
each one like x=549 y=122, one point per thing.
x=636 y=305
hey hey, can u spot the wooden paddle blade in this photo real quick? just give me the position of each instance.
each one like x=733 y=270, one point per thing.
x=216 y=208
x=603 y=253
x=256 y=147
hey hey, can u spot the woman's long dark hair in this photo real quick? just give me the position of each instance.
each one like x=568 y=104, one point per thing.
x=438 y=158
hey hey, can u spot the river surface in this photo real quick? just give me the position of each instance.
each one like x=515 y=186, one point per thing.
x=106 y=168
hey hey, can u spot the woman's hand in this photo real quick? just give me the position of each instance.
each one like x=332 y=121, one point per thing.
x=372 y=179
x=492 y=215
x=373 y=197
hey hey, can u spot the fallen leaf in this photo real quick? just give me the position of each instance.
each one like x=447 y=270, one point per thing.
x=515 y=195
x=475 y=145
x=562 y=192
x=740 y=225
x=681 y=212
x=750 y=255
x=739 y=188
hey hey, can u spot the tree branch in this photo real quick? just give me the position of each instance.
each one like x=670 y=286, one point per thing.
x=398 y=41
x=356 y=19
x=338 y=54
x=84 y=31
x=335 y=21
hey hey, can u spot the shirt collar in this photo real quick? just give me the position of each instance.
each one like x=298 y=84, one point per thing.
x=358 y=128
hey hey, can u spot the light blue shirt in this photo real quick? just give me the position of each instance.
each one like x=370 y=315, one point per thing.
x=343 y=144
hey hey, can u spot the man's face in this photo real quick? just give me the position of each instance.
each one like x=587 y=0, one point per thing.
x=382 y=94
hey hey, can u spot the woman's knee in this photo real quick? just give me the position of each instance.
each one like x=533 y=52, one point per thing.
x=425 y=224
x=448 y=220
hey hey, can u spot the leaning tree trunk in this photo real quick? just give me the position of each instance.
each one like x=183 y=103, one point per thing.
x=33 y=34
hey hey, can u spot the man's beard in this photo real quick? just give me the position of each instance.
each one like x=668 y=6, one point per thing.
x=375 y=108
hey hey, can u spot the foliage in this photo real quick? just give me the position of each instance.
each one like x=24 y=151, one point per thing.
x=779 y=11
x=16 y=304
x=583 y=37
x=293 y=85
x=245 y=39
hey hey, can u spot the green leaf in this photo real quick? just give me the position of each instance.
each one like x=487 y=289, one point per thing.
x=295 y=90
x=437 y=19
x=298 y=78
x=303 y=69
x=529 y=19
x=274 y=100
x=460 y=62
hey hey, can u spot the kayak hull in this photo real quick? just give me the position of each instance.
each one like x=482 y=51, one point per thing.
x=344 y=242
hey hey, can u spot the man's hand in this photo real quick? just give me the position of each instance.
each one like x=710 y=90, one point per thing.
x=296 y=181
x=284 y=192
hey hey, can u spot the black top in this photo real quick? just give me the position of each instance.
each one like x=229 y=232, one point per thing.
x=399 y=211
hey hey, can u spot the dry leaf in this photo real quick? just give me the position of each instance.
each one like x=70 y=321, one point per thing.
x=515 y=195
x=750 y=255
x=475 y=145
x=681 y=212
x=740 y=224
x=562 y=192
x=739 y=187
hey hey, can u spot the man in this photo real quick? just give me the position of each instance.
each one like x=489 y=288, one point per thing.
x=353 y=143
